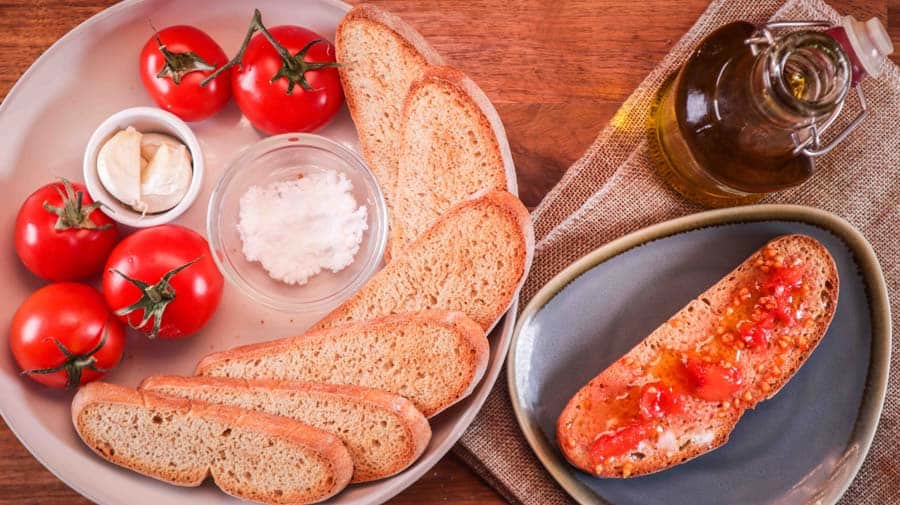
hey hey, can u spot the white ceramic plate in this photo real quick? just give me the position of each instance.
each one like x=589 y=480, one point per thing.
x=46 y=121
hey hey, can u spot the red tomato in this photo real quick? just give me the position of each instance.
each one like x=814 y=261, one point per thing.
x=713 y=382
x=619 y=442
x=63 y=335
x=658 y=400
x=280 y=96
x=165 y=274
x=174 y=62
x=60 y=234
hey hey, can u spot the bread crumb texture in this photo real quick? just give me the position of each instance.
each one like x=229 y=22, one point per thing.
x=449 y=152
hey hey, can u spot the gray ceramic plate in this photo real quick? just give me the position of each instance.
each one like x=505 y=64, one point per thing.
x=803 y=446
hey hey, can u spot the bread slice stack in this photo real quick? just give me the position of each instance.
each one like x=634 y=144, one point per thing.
x=294 y=420
x=383 y=432
x=355 y=397
x=249 y=455
x=428 y=132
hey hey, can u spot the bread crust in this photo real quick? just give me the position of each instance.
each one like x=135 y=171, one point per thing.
x=329 y=448
x=406 y=33
x=488 y=119
x=415 y=425
x=462 y=326
x=698 y=320
x=509 y=206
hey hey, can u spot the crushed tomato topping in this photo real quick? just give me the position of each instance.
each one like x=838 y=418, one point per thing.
x=758 y=315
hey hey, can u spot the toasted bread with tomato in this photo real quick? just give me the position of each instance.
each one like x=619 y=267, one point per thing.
x=680 y=392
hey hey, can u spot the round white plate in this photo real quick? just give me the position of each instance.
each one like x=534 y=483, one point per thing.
x=46 y=121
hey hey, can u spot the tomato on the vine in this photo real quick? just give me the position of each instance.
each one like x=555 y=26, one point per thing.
x=163 y=281
x=63 y=335
x=60 y=233
x=172 y=65
x=286 y=80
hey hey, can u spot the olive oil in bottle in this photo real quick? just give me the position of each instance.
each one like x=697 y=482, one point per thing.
x=743 y=117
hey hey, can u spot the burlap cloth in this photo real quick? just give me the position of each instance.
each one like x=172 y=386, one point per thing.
x=612 y=190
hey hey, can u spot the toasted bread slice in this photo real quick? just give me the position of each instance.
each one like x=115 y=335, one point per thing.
x=452 y=147
x=383 y=432
x=380 y=56
x=705 y=350
x=250 y=455
x=432 y=358
x=472 y=260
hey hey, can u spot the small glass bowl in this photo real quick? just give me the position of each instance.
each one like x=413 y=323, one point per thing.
x=281 y=158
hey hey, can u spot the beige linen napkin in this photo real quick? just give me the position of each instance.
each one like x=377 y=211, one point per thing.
x=612 y=190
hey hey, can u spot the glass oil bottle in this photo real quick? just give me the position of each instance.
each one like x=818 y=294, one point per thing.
x=745 y=116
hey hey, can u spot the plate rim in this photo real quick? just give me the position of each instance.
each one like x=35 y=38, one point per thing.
x=877 y=378
x=500 y=333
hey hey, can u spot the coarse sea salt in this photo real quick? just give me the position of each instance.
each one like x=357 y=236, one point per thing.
x=297 y=228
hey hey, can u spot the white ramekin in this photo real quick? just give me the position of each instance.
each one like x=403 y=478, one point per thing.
x=144 y=120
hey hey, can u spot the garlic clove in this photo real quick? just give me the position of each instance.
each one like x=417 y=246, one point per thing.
x=119 y=166
x=150 y=142
x=166 y=179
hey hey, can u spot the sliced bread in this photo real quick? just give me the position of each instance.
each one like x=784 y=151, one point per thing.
x=680 y=392
x=452 y=146
x=383 y=432
x=432 y=358
x=250 y=455
x=472 y=260
x=380 y=56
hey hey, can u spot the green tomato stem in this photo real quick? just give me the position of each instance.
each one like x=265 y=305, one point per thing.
x=294 y=67
x=74 y=364
x=154 y=299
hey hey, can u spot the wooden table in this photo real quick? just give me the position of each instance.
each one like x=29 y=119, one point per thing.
x=556 y=70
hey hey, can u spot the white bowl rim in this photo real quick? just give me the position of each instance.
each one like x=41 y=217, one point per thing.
x=111 y=206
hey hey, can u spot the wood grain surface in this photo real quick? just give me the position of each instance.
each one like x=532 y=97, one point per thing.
x=556 y=71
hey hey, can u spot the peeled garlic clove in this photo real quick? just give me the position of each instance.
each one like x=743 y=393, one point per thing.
x=119 y=166
x=166 y=179
x=150 y=142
